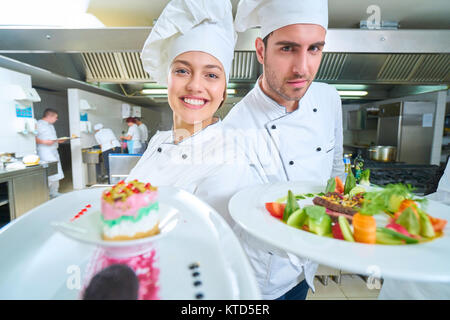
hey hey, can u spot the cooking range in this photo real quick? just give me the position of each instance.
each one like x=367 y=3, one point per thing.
x=424 y=178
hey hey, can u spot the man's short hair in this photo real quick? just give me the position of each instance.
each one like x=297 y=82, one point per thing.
x=137 y=118
x=49 y=111
x=266 y=39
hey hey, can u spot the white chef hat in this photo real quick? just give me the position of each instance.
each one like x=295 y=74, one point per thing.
x=271 y=15
x=190 y=25
x=98 y=126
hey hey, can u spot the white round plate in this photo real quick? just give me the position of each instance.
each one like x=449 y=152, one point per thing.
x=88 y=229
x=428 y=261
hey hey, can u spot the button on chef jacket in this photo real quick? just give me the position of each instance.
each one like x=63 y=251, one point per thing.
x=46 y=131
x=204 y=164
x=106 y=138
x=303 y=145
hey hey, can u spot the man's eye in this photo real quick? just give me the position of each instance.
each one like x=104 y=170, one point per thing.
x=286 y=48
x=314 y=49
x=212 y=76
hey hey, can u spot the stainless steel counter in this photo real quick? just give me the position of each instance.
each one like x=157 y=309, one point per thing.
x=23 y=189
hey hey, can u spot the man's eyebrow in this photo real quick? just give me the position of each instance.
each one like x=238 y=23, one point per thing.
x=210 y=66
x=295 y=44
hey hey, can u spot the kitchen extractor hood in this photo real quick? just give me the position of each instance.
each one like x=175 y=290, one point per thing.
x=111 y=57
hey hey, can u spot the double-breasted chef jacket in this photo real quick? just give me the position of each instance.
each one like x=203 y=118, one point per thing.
x=208 y=164
x=303 y=145
x=46 y=131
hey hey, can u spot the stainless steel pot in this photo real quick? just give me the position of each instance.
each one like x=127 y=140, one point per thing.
x=383 y=153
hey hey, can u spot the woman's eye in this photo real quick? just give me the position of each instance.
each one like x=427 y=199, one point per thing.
x=212 y=76
x=181 y=71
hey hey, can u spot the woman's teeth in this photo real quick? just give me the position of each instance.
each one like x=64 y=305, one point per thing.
x=195 y=102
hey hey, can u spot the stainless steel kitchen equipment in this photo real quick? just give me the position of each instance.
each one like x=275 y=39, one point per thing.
x=362 y=120
x=408 y=126
x=383 y=153
x=120 y=165
x=92 y=158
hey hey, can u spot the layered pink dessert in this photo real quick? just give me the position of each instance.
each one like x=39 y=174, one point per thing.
x=130 y=211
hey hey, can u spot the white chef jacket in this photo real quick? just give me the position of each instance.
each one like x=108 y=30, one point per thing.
x=144 y=132
x=303 y=145
x=410 y=290
x=208 y=164
x=106 y=138
x=135 y=134
x=46 y=131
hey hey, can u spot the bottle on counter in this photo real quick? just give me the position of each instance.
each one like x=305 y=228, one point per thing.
x=359 y=165
x=347 y=163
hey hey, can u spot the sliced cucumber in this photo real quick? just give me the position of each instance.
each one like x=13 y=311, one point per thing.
x=345 y=228
x=297 y=219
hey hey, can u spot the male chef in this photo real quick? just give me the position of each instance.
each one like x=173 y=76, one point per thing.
x=47 y=147
x=144 y=133
x=298 y=122
x=108 y=143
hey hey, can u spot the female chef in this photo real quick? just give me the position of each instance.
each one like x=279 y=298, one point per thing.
x=133 y=137
x=190 y=49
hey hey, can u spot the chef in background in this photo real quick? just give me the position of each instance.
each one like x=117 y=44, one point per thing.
x=133 y=137
x=411 y=290
x=144 y=133
x=47 y=147
x=297 y=123
x=108 y=143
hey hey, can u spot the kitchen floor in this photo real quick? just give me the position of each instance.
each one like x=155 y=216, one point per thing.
x=352 y=287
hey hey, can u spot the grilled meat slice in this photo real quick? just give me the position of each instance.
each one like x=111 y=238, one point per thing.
x=333 y=206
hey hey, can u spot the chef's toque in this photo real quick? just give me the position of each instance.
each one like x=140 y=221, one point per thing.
x=98 y=126
x=271 y=15
x=189 y=25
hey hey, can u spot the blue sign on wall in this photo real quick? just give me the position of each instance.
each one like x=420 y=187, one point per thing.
x=24 y=111
x=84 y=116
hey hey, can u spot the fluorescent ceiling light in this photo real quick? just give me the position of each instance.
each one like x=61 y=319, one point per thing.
x=164 y=91
x=354 y=93
x=154 y=91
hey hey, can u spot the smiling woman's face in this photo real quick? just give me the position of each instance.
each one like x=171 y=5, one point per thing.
x=196 y=86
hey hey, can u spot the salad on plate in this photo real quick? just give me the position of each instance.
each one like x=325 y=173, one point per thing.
x=348 y=212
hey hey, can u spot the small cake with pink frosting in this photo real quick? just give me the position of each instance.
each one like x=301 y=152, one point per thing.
x=130 y=211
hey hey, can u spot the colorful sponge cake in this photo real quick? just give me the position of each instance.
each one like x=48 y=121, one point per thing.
x=130 y=211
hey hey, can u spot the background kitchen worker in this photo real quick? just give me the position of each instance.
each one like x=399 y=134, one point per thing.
x=144 y=133
x=415 y=290
x=190 y=49
x=133 y=137
x=108 y=142
x=293 y=123
x=47 y=147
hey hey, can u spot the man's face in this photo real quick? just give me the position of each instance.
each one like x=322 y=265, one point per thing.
x=291 y=60
x=52 y=118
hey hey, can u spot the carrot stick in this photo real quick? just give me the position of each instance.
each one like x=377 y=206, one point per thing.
x=407 y=203
x=364 y=228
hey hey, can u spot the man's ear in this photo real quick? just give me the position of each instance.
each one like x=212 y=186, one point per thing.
x=260 y=50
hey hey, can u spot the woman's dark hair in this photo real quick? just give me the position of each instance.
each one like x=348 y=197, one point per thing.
x=130 y=119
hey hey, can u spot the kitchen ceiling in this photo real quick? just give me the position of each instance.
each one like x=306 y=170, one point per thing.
x=411 y=14
x=119 y=71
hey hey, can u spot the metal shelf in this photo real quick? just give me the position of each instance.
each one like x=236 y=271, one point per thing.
x=3 y=201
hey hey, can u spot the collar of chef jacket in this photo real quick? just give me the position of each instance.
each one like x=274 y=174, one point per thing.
x=204 y=147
